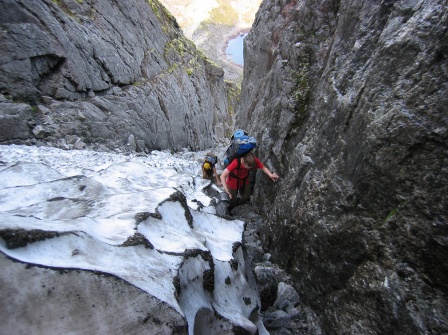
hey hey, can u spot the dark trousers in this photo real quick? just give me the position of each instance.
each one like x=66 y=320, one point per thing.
x=207 y=174
x=244 y=192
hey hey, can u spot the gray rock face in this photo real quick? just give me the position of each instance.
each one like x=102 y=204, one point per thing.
x=65 y=297
x=348 y=101
x=12 y=123
x=105 y=70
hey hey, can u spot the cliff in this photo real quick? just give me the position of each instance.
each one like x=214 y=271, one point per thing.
x=348 y=101
x=111 y=73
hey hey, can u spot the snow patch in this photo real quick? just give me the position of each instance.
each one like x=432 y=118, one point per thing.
x=145 y=220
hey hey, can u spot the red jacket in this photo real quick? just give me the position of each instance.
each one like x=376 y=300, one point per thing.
x=238 y=175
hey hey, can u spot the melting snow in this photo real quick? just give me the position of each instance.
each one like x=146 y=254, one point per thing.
x=97 y=201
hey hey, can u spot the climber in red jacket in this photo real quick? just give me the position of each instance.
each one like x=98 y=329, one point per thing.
x=235 y=178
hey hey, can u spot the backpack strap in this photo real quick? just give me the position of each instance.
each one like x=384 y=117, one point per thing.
x=241 y=181
x=233 y=175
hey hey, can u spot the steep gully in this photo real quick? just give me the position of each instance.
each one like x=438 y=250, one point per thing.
x=348 y=99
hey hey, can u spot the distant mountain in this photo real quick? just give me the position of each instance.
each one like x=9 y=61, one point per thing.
x=211 y=24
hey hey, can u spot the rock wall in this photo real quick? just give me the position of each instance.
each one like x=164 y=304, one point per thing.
x=348 y=101
x=108 y=72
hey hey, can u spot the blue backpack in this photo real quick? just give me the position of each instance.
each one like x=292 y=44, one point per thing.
x=241 y=144
x=211 y=158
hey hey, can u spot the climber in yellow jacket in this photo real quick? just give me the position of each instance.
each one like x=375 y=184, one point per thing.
x=209 y=168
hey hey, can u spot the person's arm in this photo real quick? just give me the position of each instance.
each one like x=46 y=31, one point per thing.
x=224 y=175
x=260 y=165
x=217 y=177
x=273 y=176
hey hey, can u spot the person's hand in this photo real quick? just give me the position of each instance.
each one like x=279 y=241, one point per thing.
x=274 y=177
x=230 y=196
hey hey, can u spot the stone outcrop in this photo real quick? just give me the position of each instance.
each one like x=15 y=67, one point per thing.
x=104 y=71
x=348 y=101
x=75 y=295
